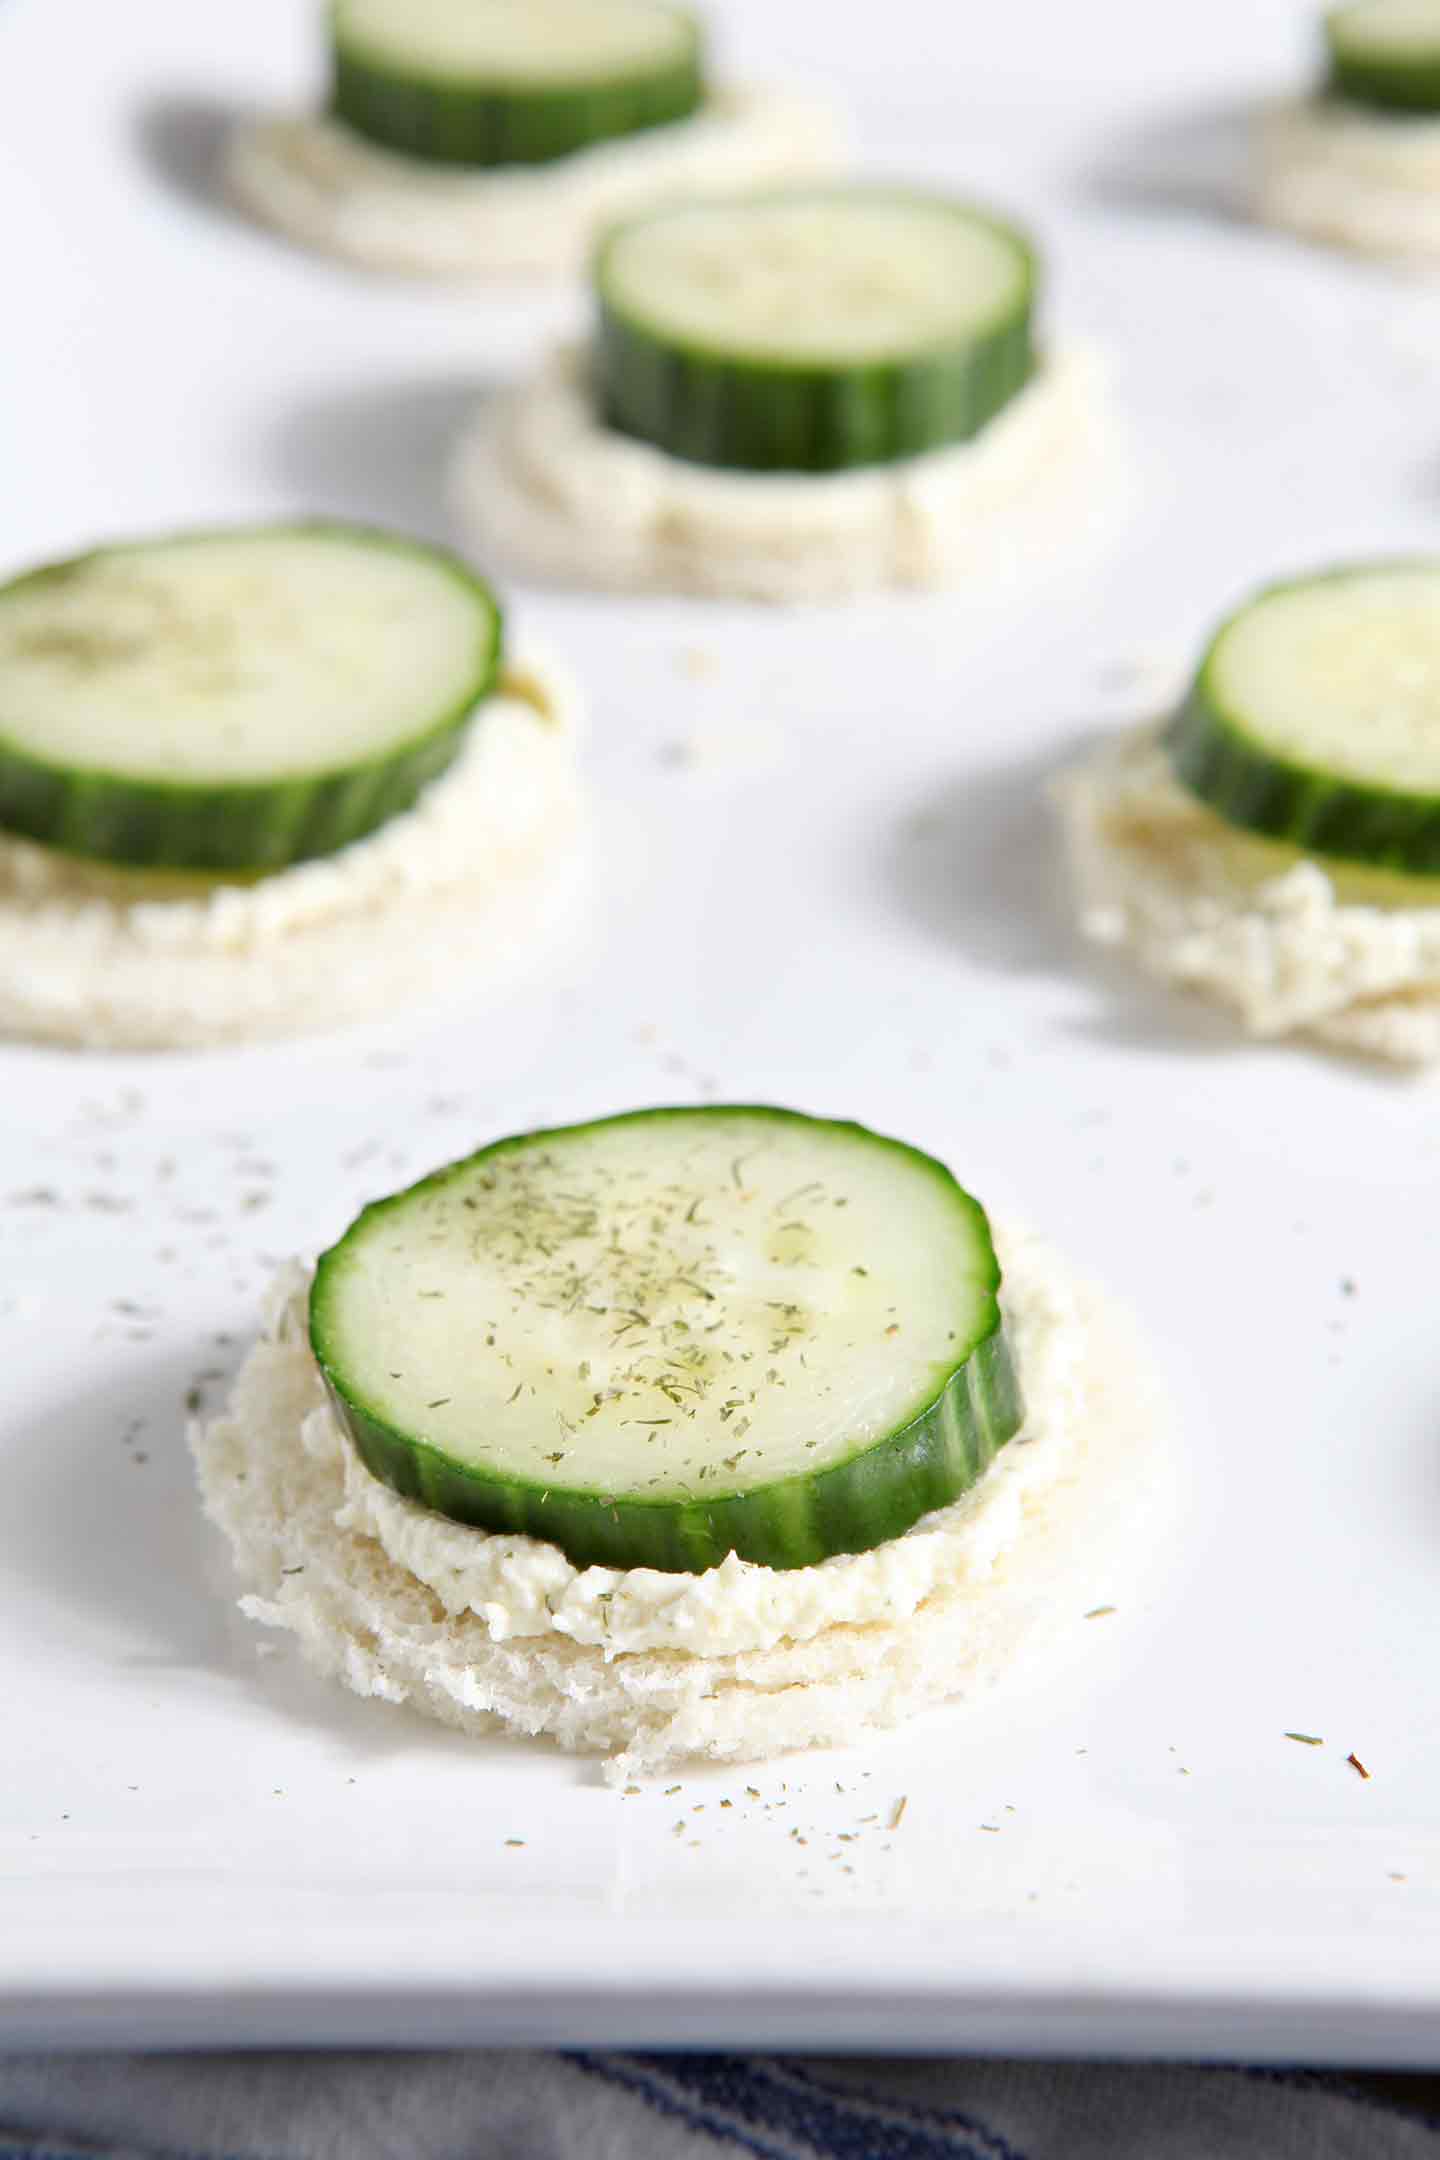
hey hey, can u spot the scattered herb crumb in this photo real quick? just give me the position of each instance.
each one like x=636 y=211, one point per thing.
x=514 y=1841
x=1358 y=1766
x=1099 y=1612
x=897 y=1813
x=1306 y=1739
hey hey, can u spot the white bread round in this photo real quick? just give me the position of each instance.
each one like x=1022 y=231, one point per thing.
x=543 y=486
x=1336 y=172
x=497 y=1632
x=457 y=892
x=317 y=181
x=1346 y=957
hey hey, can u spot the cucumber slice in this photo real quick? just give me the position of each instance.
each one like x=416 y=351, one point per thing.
x=1386 y=53
x=808 y=332
x=664 y=1337
x=511 y=82
x=1315 y=717
x=235 y=701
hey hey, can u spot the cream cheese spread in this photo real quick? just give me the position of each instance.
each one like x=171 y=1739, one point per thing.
x=319 y=182
x=1290 y=943
x=546 y=485
x=1336 y=171
x=437 y=899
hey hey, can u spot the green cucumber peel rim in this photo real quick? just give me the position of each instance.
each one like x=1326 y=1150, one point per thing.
x=652 y=1294
x=78 y=635
x=1385 y=54
x=1337 y=800
x=395 y=83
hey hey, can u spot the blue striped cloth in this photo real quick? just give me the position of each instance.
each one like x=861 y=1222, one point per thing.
x=517 y=2106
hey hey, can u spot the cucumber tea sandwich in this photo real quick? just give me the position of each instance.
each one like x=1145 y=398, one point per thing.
x=1356 y=162
x=1276 y=842
x=700 y=1432
x=264 y=779
x=794 y=395
x=491 y=137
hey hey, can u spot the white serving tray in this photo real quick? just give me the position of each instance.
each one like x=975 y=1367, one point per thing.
x=824 y=875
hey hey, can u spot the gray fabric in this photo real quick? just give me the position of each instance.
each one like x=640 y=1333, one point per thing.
x=521 y=2106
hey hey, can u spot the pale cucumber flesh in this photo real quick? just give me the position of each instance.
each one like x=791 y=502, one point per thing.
x=812 y=331
x=1386 y=53
x=1315 y=717
x=511 y=82
x=235 y=700
x=663 y=1337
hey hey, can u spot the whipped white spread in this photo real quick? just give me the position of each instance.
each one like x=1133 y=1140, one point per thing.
x=316 y=180
x=488 y=1630
x=520 y=1586
x=482 y=864
x=543 y=482
x=1290 y=943
x=1337 y=171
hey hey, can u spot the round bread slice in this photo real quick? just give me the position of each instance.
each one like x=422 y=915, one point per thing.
x=492 y=1633
x=448 y=900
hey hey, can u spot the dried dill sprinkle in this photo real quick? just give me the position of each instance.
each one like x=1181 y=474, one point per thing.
x=1306 y=1739
x=897 y=1815
x=1099 y=1612
x=639 y=1268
